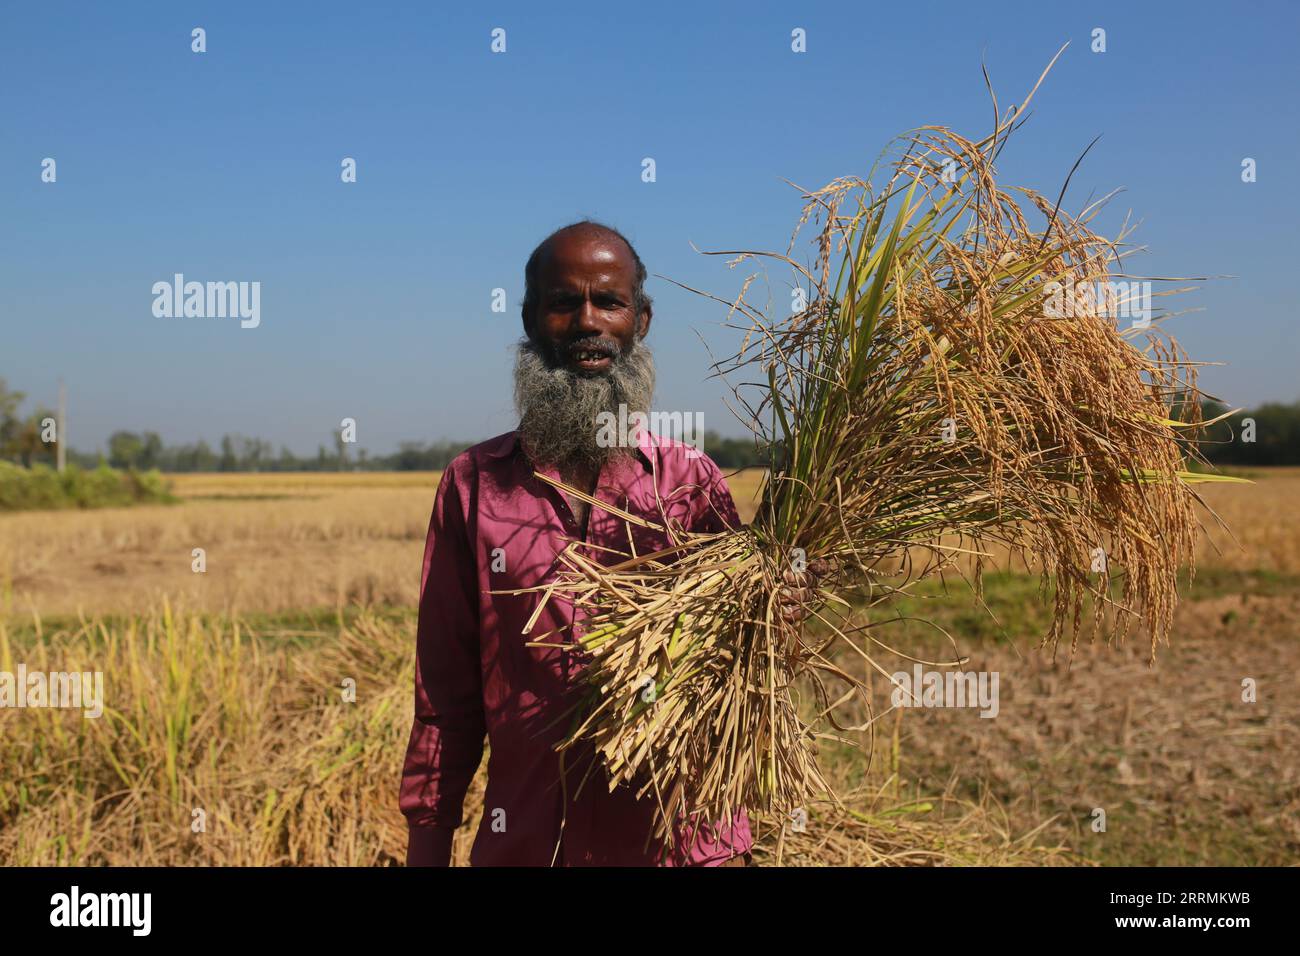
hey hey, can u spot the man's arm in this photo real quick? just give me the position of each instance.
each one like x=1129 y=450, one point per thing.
x=446 y=743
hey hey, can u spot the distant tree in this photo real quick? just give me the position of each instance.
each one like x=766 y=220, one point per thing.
x=229 y=460
x=408 y=457
x=28 y=441
x=732 y=453
x=151 y=450
x=253 y=454
x=124 y=449
x=197 y=457
x=10 y=425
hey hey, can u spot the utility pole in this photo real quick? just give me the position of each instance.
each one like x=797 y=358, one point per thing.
x=61 y=439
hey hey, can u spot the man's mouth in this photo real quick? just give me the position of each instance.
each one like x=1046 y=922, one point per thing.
x=590 y=358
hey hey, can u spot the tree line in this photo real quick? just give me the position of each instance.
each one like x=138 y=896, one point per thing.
x=1266 y=435
x=146 y=450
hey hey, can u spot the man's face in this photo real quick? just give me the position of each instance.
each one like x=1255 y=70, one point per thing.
x=585 y=317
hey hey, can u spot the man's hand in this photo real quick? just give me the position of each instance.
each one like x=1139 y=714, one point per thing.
x=800 y=591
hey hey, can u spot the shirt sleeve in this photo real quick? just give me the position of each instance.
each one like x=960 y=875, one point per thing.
x=716 y=510
x=446 y=742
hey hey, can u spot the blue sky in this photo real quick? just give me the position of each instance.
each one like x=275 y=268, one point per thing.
x=376 y=295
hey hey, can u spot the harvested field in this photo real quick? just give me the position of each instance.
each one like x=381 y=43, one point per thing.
x=289 y=773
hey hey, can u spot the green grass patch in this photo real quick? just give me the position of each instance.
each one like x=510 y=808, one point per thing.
x=42 y=488
x=294 y=629
x=1221 y=582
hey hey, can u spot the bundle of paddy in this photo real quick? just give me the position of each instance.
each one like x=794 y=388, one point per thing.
x=933 y=400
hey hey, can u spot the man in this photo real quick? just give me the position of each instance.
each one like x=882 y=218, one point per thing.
x=496 y=527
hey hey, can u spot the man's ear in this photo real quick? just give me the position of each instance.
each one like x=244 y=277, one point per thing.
x=643 y=326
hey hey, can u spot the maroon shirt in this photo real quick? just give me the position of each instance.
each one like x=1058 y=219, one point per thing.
x=495 y=526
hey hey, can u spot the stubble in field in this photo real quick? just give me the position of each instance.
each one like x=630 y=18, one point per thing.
x=227 y=692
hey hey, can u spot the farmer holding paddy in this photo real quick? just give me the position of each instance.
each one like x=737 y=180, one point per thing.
x=496 y=527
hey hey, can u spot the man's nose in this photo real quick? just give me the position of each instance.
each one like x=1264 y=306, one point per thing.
x=588 y=318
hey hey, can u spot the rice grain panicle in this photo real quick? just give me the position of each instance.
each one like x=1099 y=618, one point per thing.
x=929 y=403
